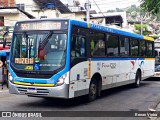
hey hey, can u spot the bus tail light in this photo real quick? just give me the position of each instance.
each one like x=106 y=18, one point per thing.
x=60 y=81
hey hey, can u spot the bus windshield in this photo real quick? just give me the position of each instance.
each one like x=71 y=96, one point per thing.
x=42 y=50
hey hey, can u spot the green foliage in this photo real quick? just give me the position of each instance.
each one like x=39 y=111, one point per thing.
x=116 y=10
x=150 y=6
x=154 y=36
x=138 y=26
x=158 y=16
x=133 y=8
x=144 y=28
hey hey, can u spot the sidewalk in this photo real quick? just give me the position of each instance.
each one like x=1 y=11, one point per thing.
x=4 y=88
x=157 y=109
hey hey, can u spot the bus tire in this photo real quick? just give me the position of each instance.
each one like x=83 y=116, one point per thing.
x=93 y=90
x=137 y=79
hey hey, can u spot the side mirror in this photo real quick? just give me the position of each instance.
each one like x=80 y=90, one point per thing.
x=4 y=39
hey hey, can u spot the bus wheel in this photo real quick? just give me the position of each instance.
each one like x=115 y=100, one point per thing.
x=92 y=90
x=137 y=79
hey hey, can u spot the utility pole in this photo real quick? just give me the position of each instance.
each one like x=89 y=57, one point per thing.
x=87 y=6
x=9 y=3
x=141 y=14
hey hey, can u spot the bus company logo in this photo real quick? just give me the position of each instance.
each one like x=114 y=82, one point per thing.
x=113 y=65
x=6 y=114
x=133 y=63
x=105 y=65
x=142 y=63
x=98 y=66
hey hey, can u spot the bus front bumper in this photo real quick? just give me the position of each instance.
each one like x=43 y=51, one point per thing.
x=56 y=92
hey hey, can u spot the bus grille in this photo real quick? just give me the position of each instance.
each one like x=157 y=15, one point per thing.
x=47 y=76
x=40 y=91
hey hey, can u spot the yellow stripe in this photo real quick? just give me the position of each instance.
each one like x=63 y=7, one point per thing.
x=29 y=84
x=89 y=69
x=148 y=38
x=149 y=59
x=88 y=25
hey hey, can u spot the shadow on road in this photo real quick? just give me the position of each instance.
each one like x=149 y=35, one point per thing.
x=71 y=103
x=153 y=79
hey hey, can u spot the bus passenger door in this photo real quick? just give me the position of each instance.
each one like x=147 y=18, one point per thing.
x=79 y=64
x=78 y=75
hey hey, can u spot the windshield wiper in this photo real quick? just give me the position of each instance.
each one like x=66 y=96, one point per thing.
x=45 y=41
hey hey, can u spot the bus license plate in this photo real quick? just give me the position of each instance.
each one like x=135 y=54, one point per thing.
x=31 y=90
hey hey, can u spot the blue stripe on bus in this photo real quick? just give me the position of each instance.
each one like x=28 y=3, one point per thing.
x=105 y=29
x=101 y=59
x=78 y=23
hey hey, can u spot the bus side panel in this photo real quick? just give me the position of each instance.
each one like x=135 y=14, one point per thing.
x=147 y=67
x=127 y=72
x=108 y=69
x=78 y=79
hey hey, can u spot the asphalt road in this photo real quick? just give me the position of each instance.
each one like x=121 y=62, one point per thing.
x=125 y=98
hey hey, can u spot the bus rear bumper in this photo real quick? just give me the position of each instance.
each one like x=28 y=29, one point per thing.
x=55 y=92
x=156 y=74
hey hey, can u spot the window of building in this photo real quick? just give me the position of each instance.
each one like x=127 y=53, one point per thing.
x=1 y=21
x=124 y=46
x=112 y=45
x=20 y=6
x=134 y=47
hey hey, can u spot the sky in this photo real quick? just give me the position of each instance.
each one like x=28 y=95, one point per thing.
x=105 y=5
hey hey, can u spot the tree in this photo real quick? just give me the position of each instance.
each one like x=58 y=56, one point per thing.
x=138 y=29
x=151 y=6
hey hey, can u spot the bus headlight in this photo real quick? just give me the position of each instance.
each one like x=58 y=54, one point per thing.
x=60 y=81
x=10 y=78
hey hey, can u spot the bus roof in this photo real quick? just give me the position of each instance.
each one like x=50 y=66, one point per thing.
x=95 y=27
x=44 y=19
x=110 y=29
x=148 y=38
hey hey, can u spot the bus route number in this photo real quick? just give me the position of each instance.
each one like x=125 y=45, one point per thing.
x=24 y=26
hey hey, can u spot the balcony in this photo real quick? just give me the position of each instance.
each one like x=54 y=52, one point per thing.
x=57 y=4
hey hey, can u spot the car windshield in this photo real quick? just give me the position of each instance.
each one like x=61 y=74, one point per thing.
x=39 y=51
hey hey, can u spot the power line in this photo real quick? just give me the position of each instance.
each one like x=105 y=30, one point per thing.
x=115 y=2
x=99 y=8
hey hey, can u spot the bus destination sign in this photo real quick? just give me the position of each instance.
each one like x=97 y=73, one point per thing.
x=43 y=25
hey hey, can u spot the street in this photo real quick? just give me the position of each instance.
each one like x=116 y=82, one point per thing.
x=125 y=98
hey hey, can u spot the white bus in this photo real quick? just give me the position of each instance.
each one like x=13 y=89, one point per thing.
x=66 y=58
x=157 y=57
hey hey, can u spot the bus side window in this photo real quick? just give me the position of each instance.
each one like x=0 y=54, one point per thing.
x=112 y=45
x=97 y=44
x=83 y=47
x=73 y=45
x=78 y=46
x=99 y=49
